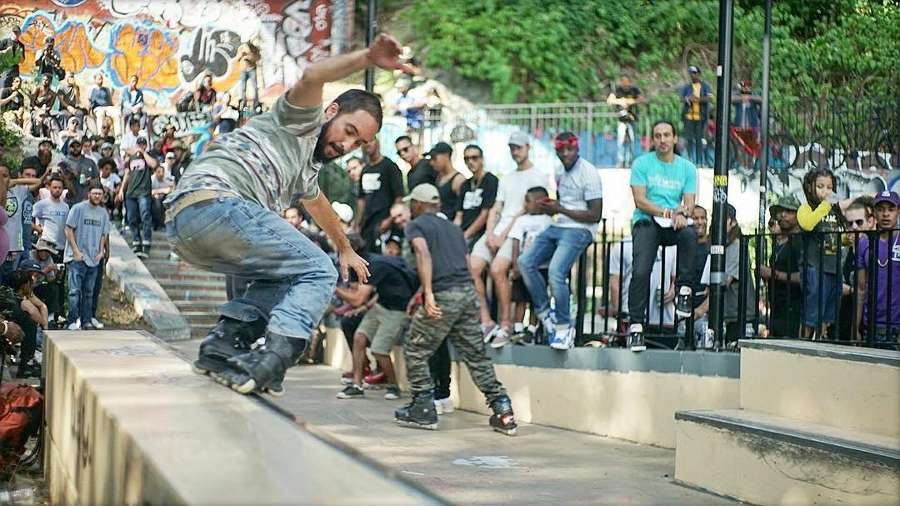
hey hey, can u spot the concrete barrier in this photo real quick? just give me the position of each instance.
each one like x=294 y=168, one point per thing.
x=149 y=299
x=129 y=423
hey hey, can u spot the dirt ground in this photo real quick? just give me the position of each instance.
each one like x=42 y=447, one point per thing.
x=116 y=312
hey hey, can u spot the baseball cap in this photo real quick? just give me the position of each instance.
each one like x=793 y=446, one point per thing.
x=730 y=212
x=787 y=202
x=693 y=69
x=107 y=145
x=887 y=196
x=45 y=245
x=142 y=140
x=394 y=238
x=425 y=192
x=441 y=148
x=343 y=211
x=29 y=265
x=518 y=139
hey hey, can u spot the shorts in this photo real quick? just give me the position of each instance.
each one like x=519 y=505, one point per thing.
x=816 y=297
x=482 y=251
x=520 y=291
x=383 y=328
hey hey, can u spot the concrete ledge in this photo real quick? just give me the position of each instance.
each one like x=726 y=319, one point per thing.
x=764 y=459
x=148 y=298
x=824 y=350
x=129 y=423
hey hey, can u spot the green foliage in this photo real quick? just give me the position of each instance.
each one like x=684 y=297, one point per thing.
x=10 y=147
x=559 y=50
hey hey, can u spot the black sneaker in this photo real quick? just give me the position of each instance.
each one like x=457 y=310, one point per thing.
x=636 y=337
x=351 y=392
x=392 y=393
x=684 y=306
x=136 y=249
x=30 y=369
x=146 y=251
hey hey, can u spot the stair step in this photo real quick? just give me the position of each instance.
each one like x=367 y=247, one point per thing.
x=188 y=275
x=204 y=295
x=767 y=459
x=192 y=284
x=198 y=305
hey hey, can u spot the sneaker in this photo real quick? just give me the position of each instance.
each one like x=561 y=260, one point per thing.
x=392 y=393
x=488 y=331
x=501 y=339
x=76 y=325
x=564 y=338
x=351 y=392
x=87 y=327
x=30 y=369
x=684 y=302
x=549 y=325
x=636 y=337
x=376 y=379
x=96 y=323
x=444 y=406
x=347 y=377
x=136 y=249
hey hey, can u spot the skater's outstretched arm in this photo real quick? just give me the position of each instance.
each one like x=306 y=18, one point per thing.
x=327 y=220
x=383 y=53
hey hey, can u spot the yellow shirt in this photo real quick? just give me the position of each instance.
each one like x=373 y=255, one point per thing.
x=694 y=113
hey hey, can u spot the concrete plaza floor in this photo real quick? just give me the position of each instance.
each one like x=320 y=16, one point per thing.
x=467 y=463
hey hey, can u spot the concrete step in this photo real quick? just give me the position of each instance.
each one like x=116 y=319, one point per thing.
x=841 y=386
x=190 y=275
x=191 y=284
x=199 y=331
x=765 y=459
x=201 y=295
x=197 y=305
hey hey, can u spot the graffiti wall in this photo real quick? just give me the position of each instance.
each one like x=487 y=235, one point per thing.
x=169 y=44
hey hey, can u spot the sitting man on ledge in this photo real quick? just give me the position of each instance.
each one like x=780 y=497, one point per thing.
x=225 y=216
x=664 y=186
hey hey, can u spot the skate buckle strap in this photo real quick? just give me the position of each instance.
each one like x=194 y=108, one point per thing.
x=192 y=198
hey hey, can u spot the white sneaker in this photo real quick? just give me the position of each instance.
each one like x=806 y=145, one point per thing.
x=501 y=338
x=564 y=338
x=76 y=325
x=443 y=406
x=96 y=323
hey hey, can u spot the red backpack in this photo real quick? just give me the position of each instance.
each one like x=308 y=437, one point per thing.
x=21 y=414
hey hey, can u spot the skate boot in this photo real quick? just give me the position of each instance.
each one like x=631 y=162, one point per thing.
x=503 y=420
x=230 y=337
x=419 y=413
x=262 y=370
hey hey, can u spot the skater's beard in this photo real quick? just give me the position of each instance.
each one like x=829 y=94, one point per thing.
x=319 y=151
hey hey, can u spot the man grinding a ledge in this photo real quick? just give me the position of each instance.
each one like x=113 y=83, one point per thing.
x=224 y=216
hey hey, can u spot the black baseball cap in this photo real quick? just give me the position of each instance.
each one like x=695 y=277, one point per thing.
x=441 y=148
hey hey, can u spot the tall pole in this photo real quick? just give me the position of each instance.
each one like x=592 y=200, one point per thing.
x=764 y=128
x=720 y=172
x=371 y=29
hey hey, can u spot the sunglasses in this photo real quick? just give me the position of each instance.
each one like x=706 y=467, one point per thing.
x=403 y=150
x=859 y=223
x=471 y=158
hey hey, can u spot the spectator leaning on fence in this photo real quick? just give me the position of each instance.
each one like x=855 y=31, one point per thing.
x=577 y=213
x=664 y=186
x=782 y=273
x=886 y=276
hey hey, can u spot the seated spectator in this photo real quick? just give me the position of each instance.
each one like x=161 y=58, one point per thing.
x=135 y=191
x=205 y=95
x=783 y=270
x=108 y=150
x=87 y=240
x=161 y=185
x=72 y=132
x=102 y=107
x=664 y=186
x=168 y=139
x=128 y=146
x=879 y=278
x=22 y=282
x=51 y=287
x=19 y=281
x=393 y=246
x=701 y=322
x=90 y=147
x=525 y=230
x=12 y=104
x=225 y=115
x=577 y=212
x=182 y=160
x=385 y=323
x=70 y=105
x=133 y=103
x=478 y=195
x=43 y=99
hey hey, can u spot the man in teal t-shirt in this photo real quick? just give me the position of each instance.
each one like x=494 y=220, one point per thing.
x=664 y=186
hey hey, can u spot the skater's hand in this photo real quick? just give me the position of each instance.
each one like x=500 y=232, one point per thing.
x=385 y=53
x=348 y=259
x=432 y=310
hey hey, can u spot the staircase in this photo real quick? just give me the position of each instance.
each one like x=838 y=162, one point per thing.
x=818 y=424
x=195 y=292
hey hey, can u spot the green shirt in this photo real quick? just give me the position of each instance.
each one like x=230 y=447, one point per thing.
x=335 y=184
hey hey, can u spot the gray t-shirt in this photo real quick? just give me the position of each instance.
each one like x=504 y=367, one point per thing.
x=15 y=206
x=52 y=216
x=268 y=161
x=84 y=169
x=90 y=224
x=448 y=250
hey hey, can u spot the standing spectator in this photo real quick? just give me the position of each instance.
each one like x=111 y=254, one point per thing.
x=380 y=186
x=135 y=191
x=410 y=104
x=128 y=146
x=110 y=181
x=43 y=99
x=478 y=195
x=182 y=160
x=161 y=185
x=577 y=213
x=449 y=181
x=225 y=114
x=107 y=150
x=40 y=160
x=133 y=102
x=248 y=58
x=18 y=206
x=335 y=183
x=50 y=214
x=29 y=177
x=205 y=96
x=495 y=248
x=71 y=133
x=420 y=169
x=87 y=240
x=822 y=218
x=783 y=270
x=12 y=52
x=664 y=187
x=82 y=170
x=625 y=97
x=860 y=217
x=49 y=61
x=696 y=95
x=449 y=312
x=69 y=94
x=12 y=104
x=383 y=325
x=101 y=101
x=355 y=166
x=886 y=275
x=90 y=147
x=4 y=217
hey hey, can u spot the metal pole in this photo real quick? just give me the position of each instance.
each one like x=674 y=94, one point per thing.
x=371 y=29
x=764 y=127
x=720 y=172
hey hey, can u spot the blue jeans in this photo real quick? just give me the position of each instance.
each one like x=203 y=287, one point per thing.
x=249 y=76
x=140 y=218
x=561 y=247
x=81 y=291
x=291 y=279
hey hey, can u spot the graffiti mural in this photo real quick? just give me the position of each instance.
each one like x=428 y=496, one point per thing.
x=169 y=44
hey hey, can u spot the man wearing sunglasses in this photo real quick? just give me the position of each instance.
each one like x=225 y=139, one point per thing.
x=420 y=169
x=478 y=195
x=783 y=271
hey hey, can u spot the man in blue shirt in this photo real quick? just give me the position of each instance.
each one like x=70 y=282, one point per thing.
x=133 y=103
x=102 y=106
x=664 y=186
